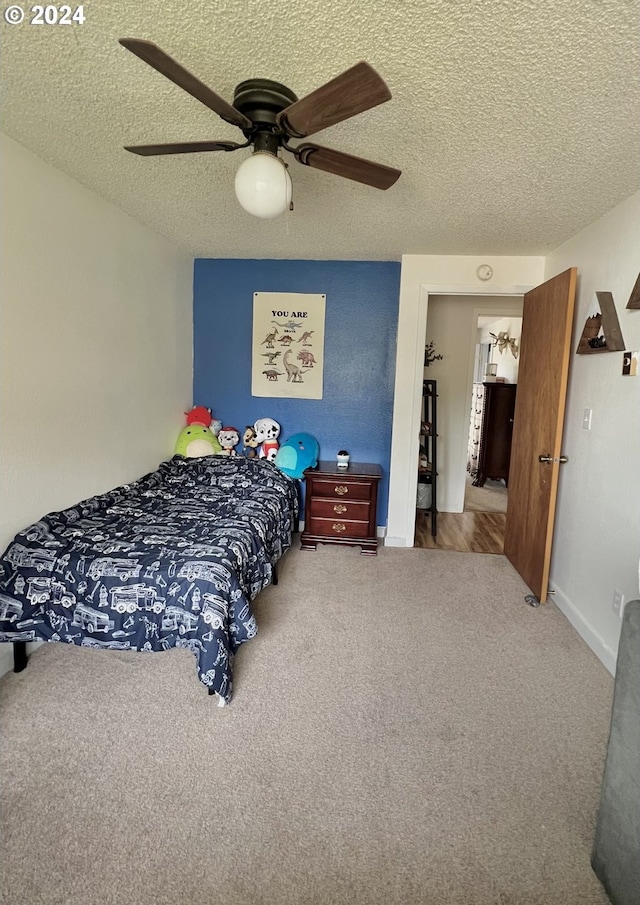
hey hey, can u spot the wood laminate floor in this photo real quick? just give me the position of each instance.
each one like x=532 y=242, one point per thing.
x=464 y=532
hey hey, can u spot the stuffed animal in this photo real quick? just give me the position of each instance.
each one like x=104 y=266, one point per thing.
x=196 y=440
x=199 y=415
x=299 y=452
x=267 y=433
x=228 y=438
x=250 y=441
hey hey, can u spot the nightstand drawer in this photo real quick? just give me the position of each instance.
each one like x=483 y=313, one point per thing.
x=337 y=527
x=341 y=489
x=340 y=509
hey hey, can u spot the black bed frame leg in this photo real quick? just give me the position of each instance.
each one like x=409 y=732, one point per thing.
x=274 y=575
x=20 y=657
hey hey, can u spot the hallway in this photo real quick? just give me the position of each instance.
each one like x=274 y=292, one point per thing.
x=464 y=532
x=479 y=529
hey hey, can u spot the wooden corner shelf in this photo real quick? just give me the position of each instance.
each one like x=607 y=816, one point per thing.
x=634 y=298
x=608 y=322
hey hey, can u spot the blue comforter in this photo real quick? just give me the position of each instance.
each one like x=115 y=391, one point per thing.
x=172 y=560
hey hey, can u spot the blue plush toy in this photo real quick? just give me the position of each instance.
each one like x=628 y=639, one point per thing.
x=299 y=452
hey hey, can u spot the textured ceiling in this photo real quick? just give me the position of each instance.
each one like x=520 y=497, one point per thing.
x=515 y=122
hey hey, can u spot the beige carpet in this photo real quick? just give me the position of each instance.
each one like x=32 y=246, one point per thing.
x=492 y=497
x=405 y=730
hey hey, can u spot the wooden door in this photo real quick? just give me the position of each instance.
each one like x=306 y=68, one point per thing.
x=547 y=318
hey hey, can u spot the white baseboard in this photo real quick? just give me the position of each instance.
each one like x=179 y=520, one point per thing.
x=395 y=541
x=602 y=651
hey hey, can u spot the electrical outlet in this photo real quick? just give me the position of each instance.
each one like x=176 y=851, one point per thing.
x=618 y=603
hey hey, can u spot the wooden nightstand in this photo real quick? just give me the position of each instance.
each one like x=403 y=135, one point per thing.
x=340 y=506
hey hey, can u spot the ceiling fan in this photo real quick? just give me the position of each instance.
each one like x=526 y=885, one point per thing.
x=269 y=115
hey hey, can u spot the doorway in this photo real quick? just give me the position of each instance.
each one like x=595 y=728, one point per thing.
x=474 y=341
x=496 y=359
x=422 y=278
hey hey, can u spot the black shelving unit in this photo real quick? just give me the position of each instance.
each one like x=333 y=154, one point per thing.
x=428 y=457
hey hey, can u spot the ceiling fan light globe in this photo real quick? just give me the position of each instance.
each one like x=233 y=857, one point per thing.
x=263 y=185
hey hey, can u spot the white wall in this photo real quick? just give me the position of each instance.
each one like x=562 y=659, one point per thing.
x=596 y=544
x=422 y=276
x=96 y=343
x=452 y=324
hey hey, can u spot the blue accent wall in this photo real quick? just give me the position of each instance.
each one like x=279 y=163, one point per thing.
x=361 y=321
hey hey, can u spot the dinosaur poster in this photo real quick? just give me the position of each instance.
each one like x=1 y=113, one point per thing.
x=288 y=344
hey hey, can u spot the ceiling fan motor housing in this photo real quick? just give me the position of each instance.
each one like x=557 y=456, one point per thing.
x=261 y=100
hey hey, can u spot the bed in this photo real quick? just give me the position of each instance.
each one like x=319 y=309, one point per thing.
x=173 y=559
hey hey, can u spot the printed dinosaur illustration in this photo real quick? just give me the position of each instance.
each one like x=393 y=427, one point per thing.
x=271 y=357
x=269 y=339
x=306 y=336
x=306 y=358
x=285 y=340
x=271 y=374
x=289 y=325
x=294 y=373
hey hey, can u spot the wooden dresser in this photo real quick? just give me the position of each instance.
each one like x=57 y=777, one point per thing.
x=340 y=506
x=492 y=409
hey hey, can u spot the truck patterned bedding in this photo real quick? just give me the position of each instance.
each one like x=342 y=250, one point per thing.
x=173 y=559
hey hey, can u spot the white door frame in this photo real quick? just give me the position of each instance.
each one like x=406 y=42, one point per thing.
x=405 y=441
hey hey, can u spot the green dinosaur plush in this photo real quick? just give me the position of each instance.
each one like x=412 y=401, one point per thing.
x=196 y=440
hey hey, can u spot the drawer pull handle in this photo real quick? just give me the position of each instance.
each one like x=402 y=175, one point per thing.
x=341 y=489
x=338 y=527
x=339 y=508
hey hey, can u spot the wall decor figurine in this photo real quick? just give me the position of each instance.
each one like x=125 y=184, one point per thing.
x=504 y=341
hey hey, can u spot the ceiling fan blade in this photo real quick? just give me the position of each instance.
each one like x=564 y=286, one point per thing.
x=186 y=147
x=340 y=164
x=168 y=67
x=356 y=90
